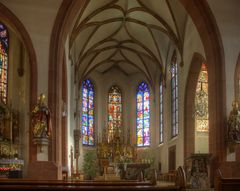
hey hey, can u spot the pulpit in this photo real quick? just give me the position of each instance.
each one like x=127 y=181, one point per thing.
x=199 y=171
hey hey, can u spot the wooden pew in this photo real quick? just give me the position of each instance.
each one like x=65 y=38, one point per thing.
x=226 y=183
x=181 y=179
x=33 y=185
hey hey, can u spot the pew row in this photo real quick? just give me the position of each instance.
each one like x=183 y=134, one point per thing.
x=52 y=185
x=32 y=185
x=226 y=183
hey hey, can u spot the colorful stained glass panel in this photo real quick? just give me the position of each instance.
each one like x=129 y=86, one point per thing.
x=201 y=101
x=87 y=113
x=143 y=115
x=114 y=111
x=3 y=62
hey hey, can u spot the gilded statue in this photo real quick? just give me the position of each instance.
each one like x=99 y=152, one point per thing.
x=234 y=123
x=41 y=121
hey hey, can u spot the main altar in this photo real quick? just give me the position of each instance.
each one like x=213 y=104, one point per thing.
x=112 y=151
x=118 y=160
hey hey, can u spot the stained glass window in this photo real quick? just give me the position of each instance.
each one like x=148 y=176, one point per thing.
x=3 y=62
x=174 y=96
x=161 y=112
x=201 y=101
x=114 y=112
x=143 y=115
x=88 y=113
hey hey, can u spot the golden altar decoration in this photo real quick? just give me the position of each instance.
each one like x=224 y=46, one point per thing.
x=9 y=139
x=111 y=152
x=115 y=150
x=41 y=119
x=41 y=125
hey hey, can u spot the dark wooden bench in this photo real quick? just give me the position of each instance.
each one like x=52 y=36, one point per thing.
x=23 y=184
x=226 y=183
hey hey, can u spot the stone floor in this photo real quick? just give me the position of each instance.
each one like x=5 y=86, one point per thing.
x=166 y=183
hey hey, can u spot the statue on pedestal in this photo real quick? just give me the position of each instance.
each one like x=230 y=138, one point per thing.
x=41 y=121
x=41 y=127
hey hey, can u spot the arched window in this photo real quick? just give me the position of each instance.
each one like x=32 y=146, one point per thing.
x=161 y=112
x=143 y=115
x=87 y=113
x=201 y=101
x=174 y=95
x=3 y=63
x=114 y=112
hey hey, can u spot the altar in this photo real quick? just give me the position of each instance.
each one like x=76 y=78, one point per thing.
x=133 y=171
x=10 y=164
x=114 y=154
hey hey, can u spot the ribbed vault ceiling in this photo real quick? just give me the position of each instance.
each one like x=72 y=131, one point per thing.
x=131 y=35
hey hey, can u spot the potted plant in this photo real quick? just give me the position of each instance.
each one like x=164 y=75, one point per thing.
x=90 y=165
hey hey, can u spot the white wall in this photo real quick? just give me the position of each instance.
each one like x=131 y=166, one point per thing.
x=38 y=18
x=227 y=16
x=192 y=44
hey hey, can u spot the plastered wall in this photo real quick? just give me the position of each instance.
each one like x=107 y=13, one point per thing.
x=38 y=18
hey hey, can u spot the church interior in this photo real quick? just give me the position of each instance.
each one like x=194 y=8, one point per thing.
x=138 y=93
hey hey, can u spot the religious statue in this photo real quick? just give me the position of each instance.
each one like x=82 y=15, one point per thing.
x=234 y=124
x=41 y=121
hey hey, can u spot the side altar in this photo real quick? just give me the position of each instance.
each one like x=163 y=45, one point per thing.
x=10 y=164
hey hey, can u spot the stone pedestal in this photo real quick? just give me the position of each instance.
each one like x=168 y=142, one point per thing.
x=42 y=148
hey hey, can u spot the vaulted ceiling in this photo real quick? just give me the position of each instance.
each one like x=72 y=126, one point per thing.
x=131 y=35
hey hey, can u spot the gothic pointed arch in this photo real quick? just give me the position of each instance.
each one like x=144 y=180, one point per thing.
x=190 y=93
x=9 y=19
x=237 y=80
x=214 y=55
x=237 y=93
x=213 y=47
